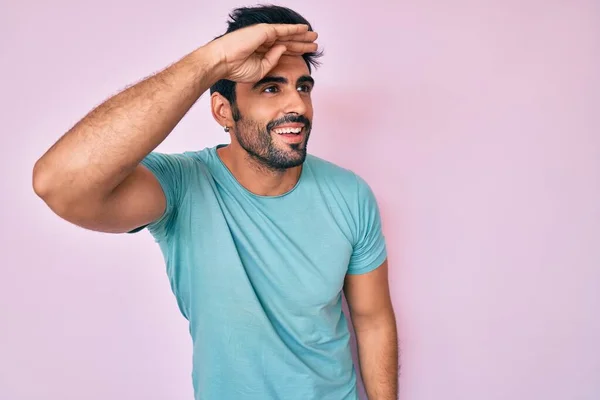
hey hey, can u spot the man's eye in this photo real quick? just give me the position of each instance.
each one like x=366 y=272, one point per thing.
x=305 y=88
x=270 y=89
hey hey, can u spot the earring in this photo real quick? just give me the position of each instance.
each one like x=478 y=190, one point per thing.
x=226 y=129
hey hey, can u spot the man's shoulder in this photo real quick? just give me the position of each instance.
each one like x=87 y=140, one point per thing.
x=343 y=182
x=184 y=161
x=328 y=170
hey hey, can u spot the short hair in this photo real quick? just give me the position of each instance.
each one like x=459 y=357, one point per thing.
x=270 y=14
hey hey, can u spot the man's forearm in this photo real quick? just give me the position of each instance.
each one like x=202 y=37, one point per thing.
x=107 y=144
x=379 y=357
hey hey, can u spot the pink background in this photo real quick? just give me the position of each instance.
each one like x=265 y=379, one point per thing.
x=477 y=124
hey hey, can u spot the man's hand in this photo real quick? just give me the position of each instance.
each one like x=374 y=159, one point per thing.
x=248 y=54
x=92 y=175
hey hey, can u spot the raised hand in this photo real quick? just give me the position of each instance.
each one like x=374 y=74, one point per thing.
x=248 y=54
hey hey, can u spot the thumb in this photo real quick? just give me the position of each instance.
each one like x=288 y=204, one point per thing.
x=271 y=57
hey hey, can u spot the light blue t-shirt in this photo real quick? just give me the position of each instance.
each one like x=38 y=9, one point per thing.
x=260 y=278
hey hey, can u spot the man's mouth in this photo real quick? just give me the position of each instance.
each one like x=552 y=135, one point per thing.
x=288 y=130
x=290 y=134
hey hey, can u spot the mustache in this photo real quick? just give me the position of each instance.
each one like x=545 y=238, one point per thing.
x=288 y=119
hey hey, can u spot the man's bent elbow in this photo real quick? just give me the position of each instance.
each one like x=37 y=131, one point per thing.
x=58 y=197
x=41 y=180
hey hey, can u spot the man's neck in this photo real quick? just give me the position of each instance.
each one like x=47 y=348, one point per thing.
x=255 y=176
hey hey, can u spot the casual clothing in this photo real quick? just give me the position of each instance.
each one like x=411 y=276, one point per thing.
x=260 y=277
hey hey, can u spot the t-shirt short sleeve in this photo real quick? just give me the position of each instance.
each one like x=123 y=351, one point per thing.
x=170 y=171
x=369 y=248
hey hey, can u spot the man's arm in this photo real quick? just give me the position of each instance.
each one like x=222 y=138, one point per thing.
x=92 y=175
x=374 y=321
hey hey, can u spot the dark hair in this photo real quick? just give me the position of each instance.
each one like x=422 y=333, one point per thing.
x=270 y=14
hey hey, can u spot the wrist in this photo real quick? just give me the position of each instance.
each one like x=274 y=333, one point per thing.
x=211 y=62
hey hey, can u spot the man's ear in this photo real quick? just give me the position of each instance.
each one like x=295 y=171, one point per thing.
x=221 y=110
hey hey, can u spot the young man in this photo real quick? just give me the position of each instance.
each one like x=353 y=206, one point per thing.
x=260 y=239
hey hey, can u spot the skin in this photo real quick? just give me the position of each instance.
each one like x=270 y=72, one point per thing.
x=263 y=161
x=92 y=175
x=287 y=91
x=374 y=322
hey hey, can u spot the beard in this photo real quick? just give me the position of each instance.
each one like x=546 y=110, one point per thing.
x=259 y=143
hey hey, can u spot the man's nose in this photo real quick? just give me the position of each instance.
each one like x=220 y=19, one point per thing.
x=295 y=103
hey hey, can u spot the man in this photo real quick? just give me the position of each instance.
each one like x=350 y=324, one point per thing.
x=260 y=239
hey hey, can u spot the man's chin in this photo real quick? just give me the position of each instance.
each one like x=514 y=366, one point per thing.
x=290 y=159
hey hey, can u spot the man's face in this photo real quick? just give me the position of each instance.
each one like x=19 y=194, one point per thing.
x=274 y=115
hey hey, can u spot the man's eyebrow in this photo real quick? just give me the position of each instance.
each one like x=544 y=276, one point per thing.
x=270 y=79
x=306 y=78
x=282 y=80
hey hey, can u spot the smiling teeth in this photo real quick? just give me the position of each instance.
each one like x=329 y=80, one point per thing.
x=287 y=130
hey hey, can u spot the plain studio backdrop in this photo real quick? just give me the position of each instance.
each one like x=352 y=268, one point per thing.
x=477 y=124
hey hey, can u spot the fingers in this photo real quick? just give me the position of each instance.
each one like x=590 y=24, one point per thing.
x=271 y=58
x=295 y=39
x=281 y=30
x=310 y=36
x=273 y=32
x=297 y=48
